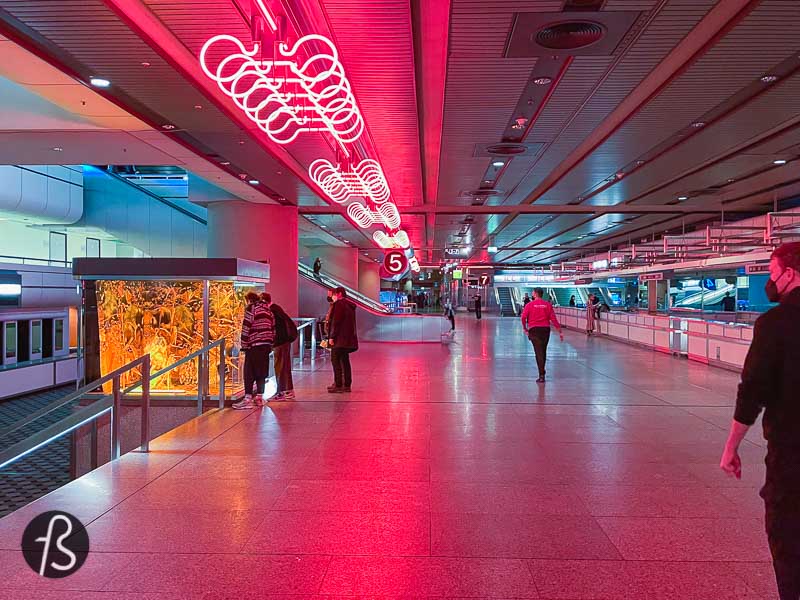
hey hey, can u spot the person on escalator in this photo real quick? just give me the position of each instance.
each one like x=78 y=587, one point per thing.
x=572 y=301
x=317 y=266
x=525 y=299
x=342 y=340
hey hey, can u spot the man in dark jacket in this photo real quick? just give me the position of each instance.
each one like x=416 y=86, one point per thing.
x=342 y=340
x=771 y=381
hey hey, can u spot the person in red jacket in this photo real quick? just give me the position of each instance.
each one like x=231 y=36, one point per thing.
x=536 y=318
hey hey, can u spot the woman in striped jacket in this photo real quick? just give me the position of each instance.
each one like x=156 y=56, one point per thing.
x=258 y=333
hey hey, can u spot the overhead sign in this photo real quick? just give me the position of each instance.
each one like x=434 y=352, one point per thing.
x=615 y=280
x=458 y=274
x=484 y=279
x=651 y=277
x=756 y=269
x=395 y=262
x=457 y=252
x=585 y=281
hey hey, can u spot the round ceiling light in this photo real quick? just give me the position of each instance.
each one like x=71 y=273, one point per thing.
x=698 y=124
x=571 y=35
x=99 y=82
x=779 y=161
x=543 y=80
x=168 y=127
x=769 y=78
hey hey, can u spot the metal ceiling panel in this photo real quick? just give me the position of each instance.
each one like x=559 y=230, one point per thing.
x=381 y=68
x=760 y=41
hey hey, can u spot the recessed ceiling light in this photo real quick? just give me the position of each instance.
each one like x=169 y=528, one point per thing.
x=779 y=161
x=698 y=124
x=769 y=78
x=252 y=181
x=731 y=180
x=683 y=197
x=99 y=82
x=57 y=149
x=225 y=163
x=543 y=80
x=323 y=226
x=198 y=106
x=498 y=163
x=145 y=64
x=168 y=127
x=639 y=163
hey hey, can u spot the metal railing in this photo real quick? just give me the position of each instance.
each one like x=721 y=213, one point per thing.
x=28 y=260
x=203 y=356
x=84 y=416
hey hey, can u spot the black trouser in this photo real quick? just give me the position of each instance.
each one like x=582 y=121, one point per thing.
x=256 y=368
x=452 y=322
x=283 y=366
x=540 y=337
x=340 y=359
x=478 y=310
x=781 y=495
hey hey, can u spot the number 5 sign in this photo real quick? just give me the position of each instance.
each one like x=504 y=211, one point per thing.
x=395 y=262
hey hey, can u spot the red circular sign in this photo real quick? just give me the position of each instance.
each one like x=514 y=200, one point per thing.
x=395 y=262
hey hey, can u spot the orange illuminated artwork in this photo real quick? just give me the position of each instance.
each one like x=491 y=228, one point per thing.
x=165 y=319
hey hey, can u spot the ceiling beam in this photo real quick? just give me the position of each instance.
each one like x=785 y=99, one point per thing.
x=547 y=209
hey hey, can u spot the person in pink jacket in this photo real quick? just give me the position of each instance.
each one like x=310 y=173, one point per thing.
x=537 y=316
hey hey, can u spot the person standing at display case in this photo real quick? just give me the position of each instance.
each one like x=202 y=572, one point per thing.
x=478 y=306
x=342 y=341
x=258 y=333
x=537 y=316
x=771 y=381
x=285 y=335
x=572 y=301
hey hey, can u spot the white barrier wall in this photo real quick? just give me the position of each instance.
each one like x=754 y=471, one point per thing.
x=710 y=342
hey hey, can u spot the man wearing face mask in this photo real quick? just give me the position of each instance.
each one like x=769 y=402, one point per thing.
x=771 y=381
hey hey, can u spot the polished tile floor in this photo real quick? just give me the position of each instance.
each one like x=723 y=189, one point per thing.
x=447 y=472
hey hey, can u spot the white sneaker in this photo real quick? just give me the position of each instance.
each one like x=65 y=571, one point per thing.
x=245 y=403
x=279 y=397
x=288 y=395
x=258 y=400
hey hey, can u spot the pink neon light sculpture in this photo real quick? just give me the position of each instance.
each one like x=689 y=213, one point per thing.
x=289 y=95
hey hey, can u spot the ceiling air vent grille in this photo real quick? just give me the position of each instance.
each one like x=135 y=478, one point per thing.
x=570 y=36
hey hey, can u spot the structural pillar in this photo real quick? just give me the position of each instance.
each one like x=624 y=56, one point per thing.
x=261 y=232
x=369 y=279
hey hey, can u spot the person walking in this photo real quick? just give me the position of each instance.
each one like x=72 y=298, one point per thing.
x=590 y=314
x=317 y=266
x=258 y=333
x=450 y=315
x=285 y=335
x=537 y=316
x=478 y=306
x=342 y=340
x=525 y=299
x=770 y=381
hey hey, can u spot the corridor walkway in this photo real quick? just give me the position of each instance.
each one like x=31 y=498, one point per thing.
x=447 y=472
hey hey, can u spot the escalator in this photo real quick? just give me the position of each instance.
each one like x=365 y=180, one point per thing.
x=506 y=302
x=561 y=296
